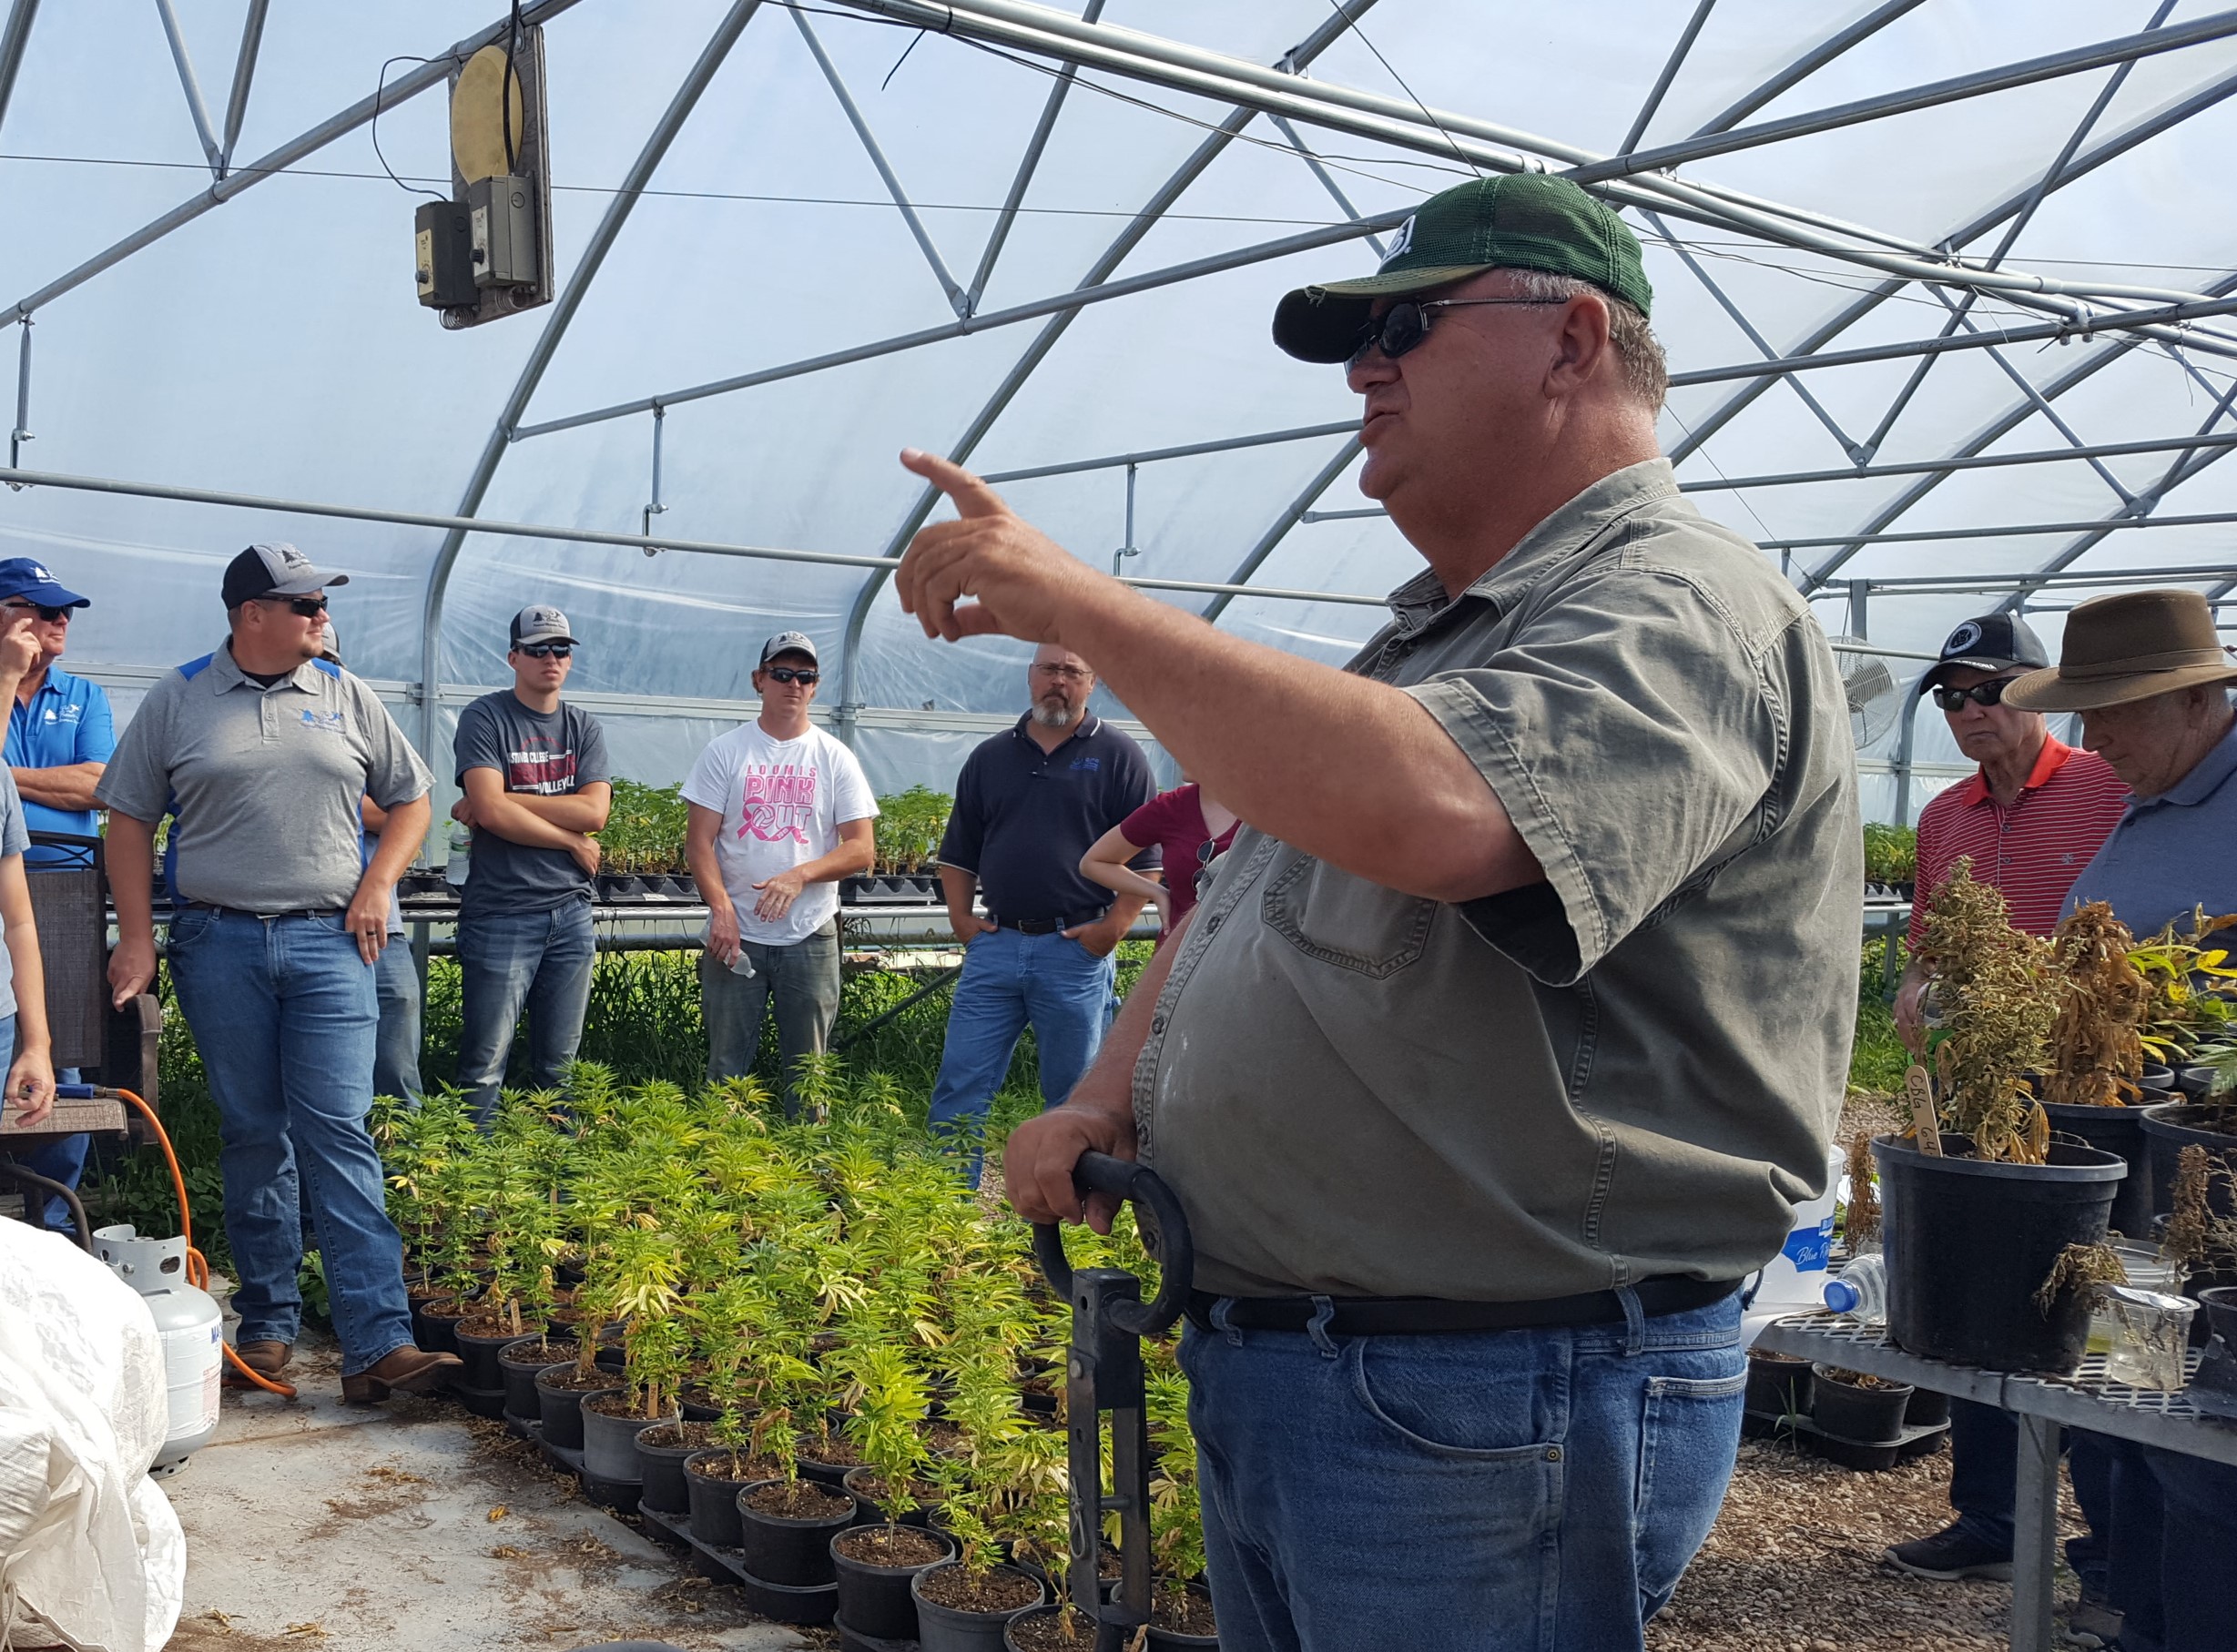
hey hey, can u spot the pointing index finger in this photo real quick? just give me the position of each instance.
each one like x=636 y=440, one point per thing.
x=971 y=497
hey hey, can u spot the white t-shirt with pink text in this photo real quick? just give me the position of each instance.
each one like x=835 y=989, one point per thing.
x=782 y=803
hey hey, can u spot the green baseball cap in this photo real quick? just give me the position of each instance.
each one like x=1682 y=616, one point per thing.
x=1520 y=220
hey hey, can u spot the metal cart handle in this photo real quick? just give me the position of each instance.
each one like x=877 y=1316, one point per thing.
x=1164 y=1232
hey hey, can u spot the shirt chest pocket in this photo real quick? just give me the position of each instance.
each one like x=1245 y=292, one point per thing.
x=1345 y=920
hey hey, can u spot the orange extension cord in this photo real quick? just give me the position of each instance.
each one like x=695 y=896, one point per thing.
x=198 y=1265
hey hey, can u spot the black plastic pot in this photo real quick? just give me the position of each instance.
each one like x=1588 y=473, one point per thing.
x=874 y=1600
x=2194 y=1083
x=660 y=1473
x=1969 y=1242
x=2118 y=1131
x=2157 y=1077
x=712 y=1503
x=562 y=1408
x=779 y=1548
x=2175 y=1125
x=1929 y=1408
x=1778 y=1385
x=610 y=1444
x=480 y=1353
x=1863 y=1416
x=1173 y=1640
x=519 y=1376
x=944 y=1630
x=434 y=1325
x=2213 y=1386
x=920 y=1516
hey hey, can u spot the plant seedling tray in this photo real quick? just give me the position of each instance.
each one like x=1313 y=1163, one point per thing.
x=620 y=1495
x=848 y=1641
x=1866 y=1456
x=483 y=1401
x=817 y=1605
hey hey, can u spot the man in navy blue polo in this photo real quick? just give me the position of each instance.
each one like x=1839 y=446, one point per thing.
x=60 y=735
x=1027 y=804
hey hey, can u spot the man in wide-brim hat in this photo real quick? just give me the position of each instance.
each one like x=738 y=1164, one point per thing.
x=2149 y=674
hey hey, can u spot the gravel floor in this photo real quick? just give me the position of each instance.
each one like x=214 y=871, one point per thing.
x=1793 y=1566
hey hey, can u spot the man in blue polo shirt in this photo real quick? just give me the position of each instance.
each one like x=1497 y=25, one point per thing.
x=60 y=735
x=1027 y=804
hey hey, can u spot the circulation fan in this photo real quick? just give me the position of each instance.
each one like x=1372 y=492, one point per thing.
x=1874 y=696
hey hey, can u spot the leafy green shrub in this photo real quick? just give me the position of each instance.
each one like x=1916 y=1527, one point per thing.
x=644 y=829
x=910 y=824
x=1891 y=853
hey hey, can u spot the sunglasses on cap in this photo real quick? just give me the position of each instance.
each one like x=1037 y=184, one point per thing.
x=309 y=607
x=1954 y=700
x=545 y=650
x=1407 y=323
x=802 y=674
x=49 y=614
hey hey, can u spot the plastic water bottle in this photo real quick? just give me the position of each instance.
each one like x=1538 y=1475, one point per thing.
x=461 y=847
x=1861 y=1291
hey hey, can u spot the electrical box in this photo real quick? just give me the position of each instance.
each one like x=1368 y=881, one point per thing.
x=486 y=253
x=502 y=216
x=444 y=251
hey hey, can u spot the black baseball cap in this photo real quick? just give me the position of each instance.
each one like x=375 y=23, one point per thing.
x=1992 y=642
x=274 y=570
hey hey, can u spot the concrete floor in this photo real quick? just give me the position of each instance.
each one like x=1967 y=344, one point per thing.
x=312 y=1526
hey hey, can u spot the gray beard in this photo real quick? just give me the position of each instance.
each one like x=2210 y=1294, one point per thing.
x=1062 y=716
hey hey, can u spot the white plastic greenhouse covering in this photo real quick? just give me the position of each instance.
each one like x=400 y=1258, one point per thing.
x=2054 y=169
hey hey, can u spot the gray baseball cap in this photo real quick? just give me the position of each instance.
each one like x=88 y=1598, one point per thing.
x=539 y=623
x=790 y=642
x=275 y=570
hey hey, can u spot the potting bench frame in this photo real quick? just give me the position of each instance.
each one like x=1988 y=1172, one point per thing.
x=2042 y=1404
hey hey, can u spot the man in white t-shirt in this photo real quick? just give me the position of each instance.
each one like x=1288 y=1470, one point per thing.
x=779 y=812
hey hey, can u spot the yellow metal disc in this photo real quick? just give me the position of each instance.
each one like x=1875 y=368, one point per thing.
x=477 y=129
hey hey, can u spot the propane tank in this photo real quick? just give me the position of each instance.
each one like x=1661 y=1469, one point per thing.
x=189 y=1326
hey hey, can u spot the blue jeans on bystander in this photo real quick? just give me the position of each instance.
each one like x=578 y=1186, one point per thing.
x=1533 y=1490
x=283 y=1012
x=1057 y=986
x=396 y=1049
x=508 y=961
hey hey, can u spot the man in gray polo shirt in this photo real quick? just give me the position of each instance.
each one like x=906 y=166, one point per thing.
x=1515 y=1022
x=260 y=754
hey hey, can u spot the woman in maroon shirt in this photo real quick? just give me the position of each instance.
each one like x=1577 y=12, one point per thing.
x=1189 y=826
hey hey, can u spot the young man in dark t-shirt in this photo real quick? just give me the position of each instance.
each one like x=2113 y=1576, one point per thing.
x=533 y=770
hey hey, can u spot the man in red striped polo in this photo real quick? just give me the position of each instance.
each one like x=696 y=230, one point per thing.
x=2031 y=818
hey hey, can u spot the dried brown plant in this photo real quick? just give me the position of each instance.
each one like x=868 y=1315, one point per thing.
x=2096 y=1053
x=2197 y=1236
x=2077 y=1268
x=1998 y=997
x=1860 y=1223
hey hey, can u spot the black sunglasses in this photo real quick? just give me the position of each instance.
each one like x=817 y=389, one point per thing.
x=794 y=673
x=1407 y=323
x=49 y=614
x=1981 y=694
x=547 y=651
x=309 y=607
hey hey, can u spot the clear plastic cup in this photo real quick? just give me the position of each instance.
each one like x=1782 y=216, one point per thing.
x=2151 y=1331
x=2146 y=1271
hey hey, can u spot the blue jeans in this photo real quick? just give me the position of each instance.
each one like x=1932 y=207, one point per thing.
x=801 y=980
x=283 y=1011
x=63 y=1160
x=1064 y=991
x=508 y=961
x=1534 y=1491
x=396 y=1047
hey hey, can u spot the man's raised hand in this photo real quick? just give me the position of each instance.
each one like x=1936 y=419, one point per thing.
x=1018 y=582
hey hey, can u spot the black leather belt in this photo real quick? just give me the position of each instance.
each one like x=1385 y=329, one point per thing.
x=1046 y=926
x=203 y=906
x=1432 y=1316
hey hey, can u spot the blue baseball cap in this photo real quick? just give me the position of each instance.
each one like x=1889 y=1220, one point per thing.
x=25 y=577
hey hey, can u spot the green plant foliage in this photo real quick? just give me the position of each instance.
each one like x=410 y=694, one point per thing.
x=1891 y=853
x=644 y=829
x=1877 y=1060
x=910 y=824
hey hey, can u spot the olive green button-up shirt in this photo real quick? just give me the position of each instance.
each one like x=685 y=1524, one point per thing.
x=1630 y=1070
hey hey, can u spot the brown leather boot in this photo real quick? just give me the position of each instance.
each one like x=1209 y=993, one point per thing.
x=408 y=1370
x=266 y=1359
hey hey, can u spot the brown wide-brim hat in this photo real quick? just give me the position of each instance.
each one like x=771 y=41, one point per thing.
x=2128 y=647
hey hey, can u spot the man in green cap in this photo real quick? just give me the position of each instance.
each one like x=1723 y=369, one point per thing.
x=1513 y=1026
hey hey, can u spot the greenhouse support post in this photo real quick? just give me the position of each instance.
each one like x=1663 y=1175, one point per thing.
x=196 y=108
x=13 y=39
x=244 y=72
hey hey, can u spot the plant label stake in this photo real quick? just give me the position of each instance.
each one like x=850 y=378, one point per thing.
x=1102 y=1372
x=1920 y=1089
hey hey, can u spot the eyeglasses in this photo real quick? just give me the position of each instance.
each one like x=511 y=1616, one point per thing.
x=309 y=607
x=1070 y=674
x=793 y=674
x=1990 y=692
x=1407 y=323
x=51 y=615
x=547 y=651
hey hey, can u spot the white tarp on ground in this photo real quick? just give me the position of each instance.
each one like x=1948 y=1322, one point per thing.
x=88 y=1544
